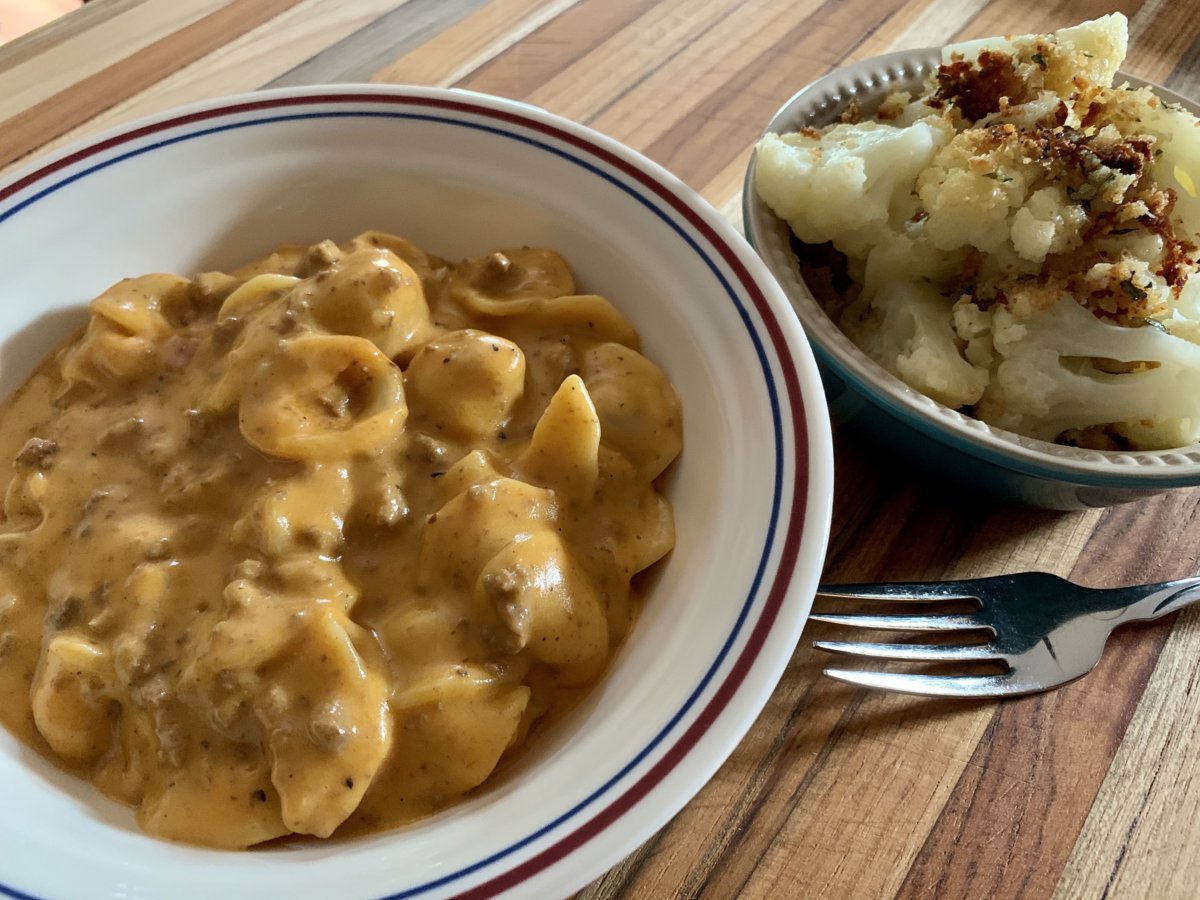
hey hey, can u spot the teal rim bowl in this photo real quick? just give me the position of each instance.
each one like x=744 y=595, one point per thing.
x=933 y=437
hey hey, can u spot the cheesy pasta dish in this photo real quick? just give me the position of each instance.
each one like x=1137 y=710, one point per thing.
x=313 y=545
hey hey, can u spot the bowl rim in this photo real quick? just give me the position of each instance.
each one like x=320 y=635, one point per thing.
x=803 y=499
x=874 y=78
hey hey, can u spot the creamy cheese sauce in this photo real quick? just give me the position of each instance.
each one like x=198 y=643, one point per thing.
x=313 y=545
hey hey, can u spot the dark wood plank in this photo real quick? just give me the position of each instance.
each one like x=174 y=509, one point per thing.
x=554 y=47
x=1018 y=808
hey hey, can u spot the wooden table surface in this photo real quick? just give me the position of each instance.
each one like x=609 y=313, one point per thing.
x=1091 y=791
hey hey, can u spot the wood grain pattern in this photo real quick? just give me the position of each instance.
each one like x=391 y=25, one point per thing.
x=450 y=56
x=247 y=61
x=1139 y=839
x=34 y=43
x=1025 y=789
x=1086 y=792
x=45 y=120
x=1161 y=33
x=920 y=25
x=58 y=63
x=358 y=56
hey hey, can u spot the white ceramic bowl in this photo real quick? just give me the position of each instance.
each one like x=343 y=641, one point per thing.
x=942 y=441
x=214 y=184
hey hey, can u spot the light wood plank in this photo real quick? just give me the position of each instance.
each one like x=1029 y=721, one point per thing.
x=245 y=63
x=359 y=56
x=35 y=126
x=17 y=19
x=47 y=37
x=67 y=63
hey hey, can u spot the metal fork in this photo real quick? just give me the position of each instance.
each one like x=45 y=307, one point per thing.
x=1045 y=629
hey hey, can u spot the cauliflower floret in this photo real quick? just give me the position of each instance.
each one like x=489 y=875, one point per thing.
x=1035 y=395
x=988 y=194
x=1178 y=163
x=1031 y=236
x=915 y=340
x=847 y=181
x=1159 y=434
x=974 y=329
x=1093 y=50
x=1068 y=370
x=971 y=189
x=1042 y=109
x=1184 y=319
x=910 y=256
x=1047 y=223
x=1129 y=283
x=965 y=209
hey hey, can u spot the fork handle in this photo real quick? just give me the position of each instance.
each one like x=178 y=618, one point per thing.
x=1152 y=601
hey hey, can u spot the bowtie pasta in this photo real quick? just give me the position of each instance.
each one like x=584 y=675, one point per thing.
x=312 y=546
x=1022 y=238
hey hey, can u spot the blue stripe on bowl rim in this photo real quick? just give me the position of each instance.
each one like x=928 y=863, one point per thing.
x=647 y=184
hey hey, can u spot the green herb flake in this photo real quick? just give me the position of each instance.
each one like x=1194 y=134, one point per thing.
x=1157 y=152
x=1132 y=291
x=1122 y=230
x=996 y=176
x=1040 y=60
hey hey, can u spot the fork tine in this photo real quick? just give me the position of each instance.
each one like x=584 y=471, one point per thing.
x=914 y=652
x=964 y=686
x=954 y=622
x=925 y=591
